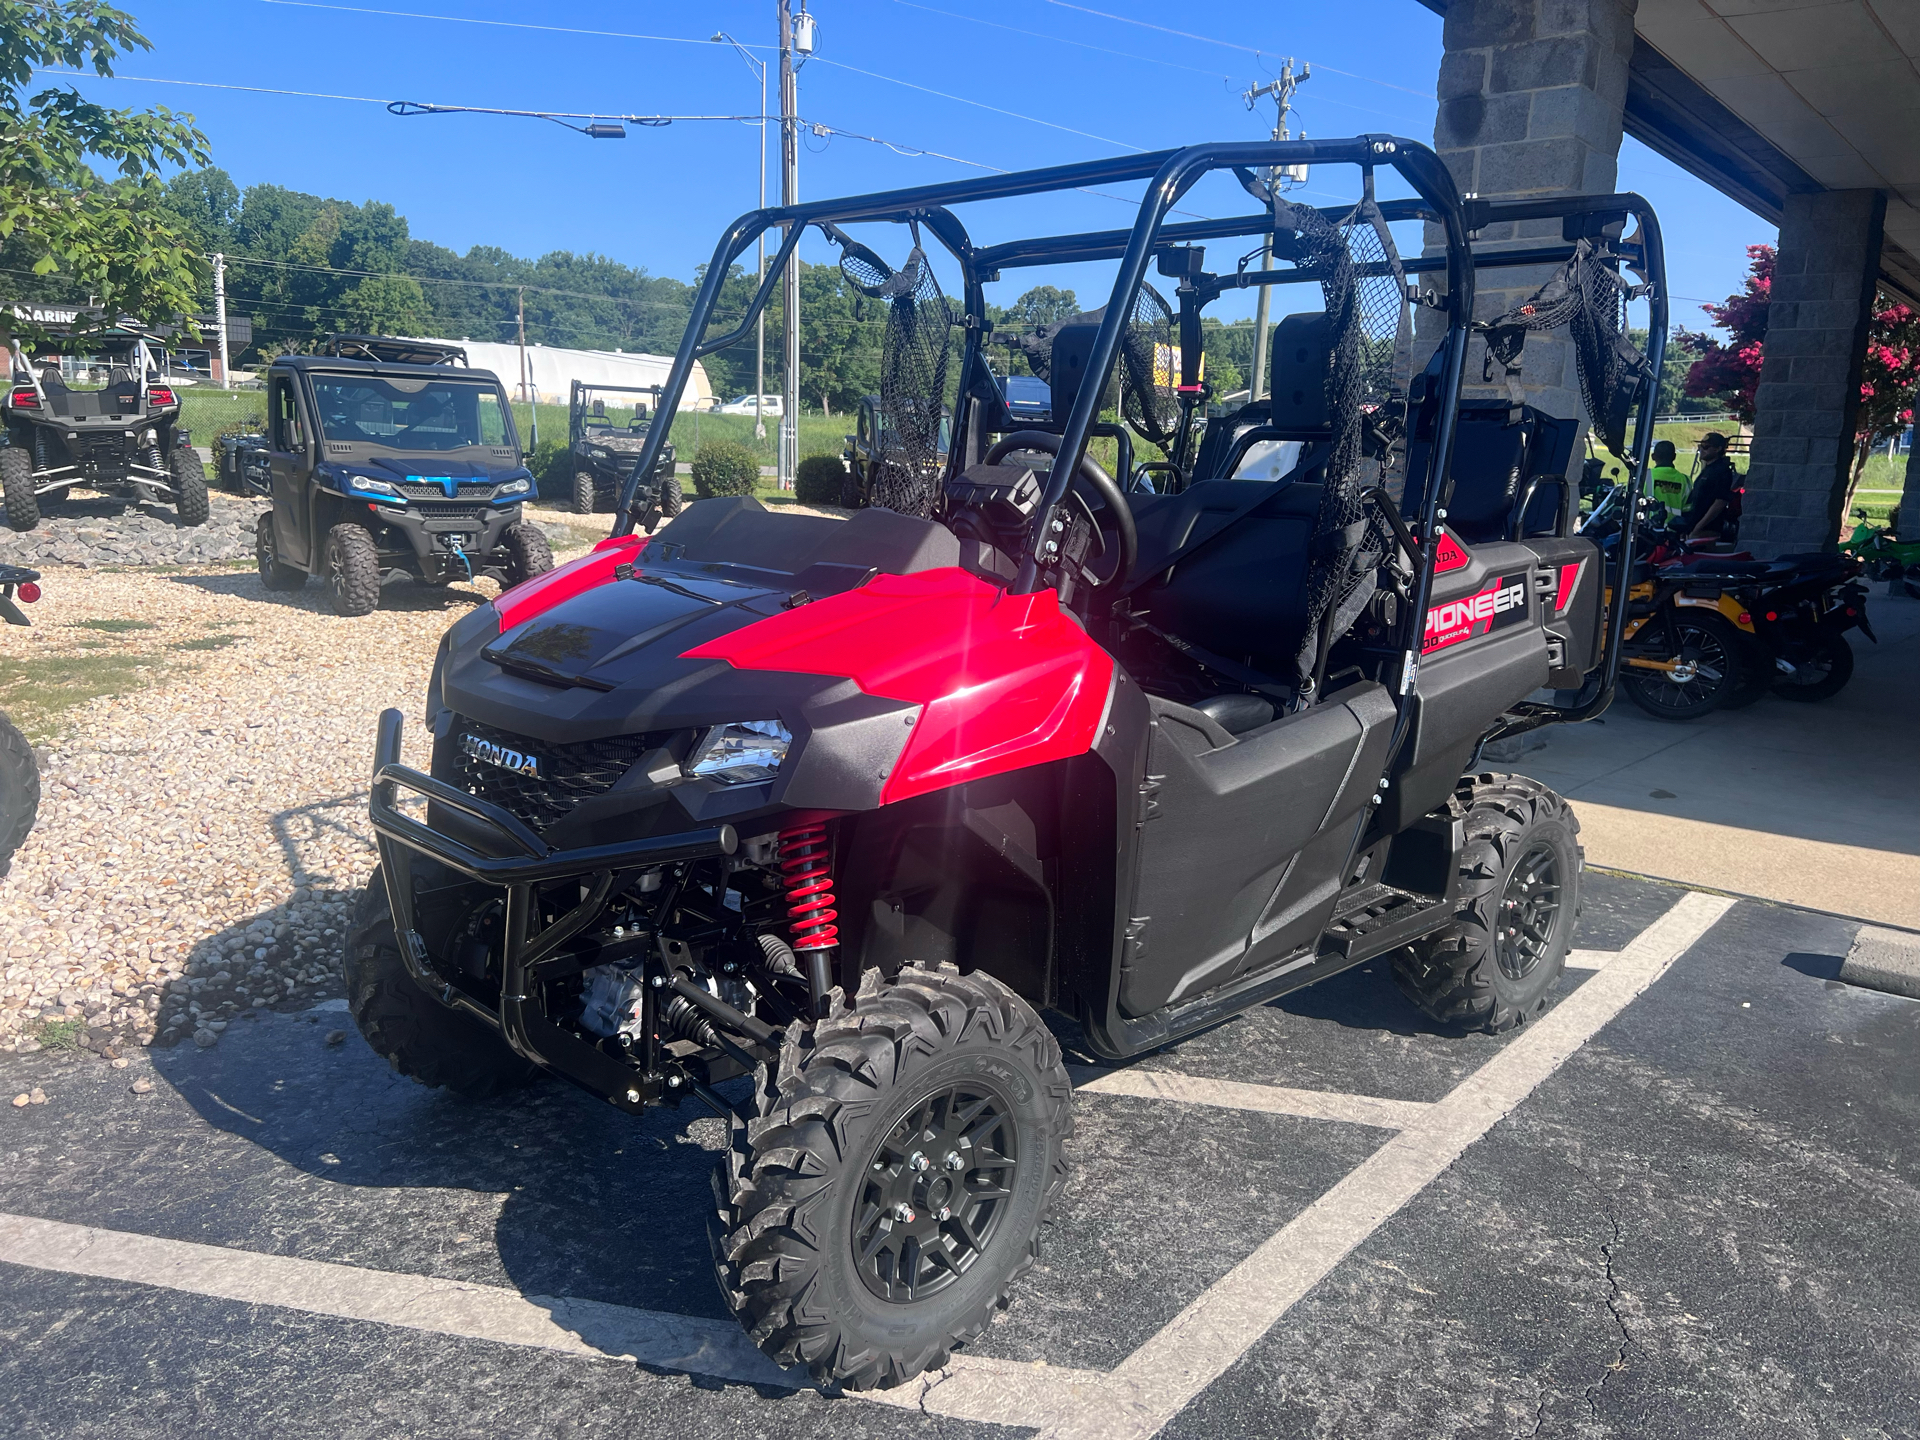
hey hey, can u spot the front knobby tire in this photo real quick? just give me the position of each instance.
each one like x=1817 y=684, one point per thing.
x=1516 y=892
x=16 y=480
x=19 y=791
x=190 y=504
x=417 y=1035
x=849 y=1242
x=528 y=553
x=672 y=497
x=583 y=493
x=352 y=566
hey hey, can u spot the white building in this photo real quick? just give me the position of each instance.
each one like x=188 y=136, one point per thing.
x=551 y=371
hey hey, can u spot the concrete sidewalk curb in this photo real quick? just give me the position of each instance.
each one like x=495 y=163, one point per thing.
x=1883 y=959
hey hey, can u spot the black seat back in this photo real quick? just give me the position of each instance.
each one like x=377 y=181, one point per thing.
x=1497 y=448
x=1244 y=592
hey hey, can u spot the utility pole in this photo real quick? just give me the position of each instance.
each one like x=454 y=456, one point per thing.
x=526 y=395
x=1280 y=178
x=790 y=287
x=220 y=315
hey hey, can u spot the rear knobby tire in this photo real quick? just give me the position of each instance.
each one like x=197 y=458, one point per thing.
x=1481 y=970
x=190 y=506
x=528 y=553
x=16 y=477
x=1823 y=675
x=805 y=1180
x=583 y=493
x=19 y=791
x=417 y=1035
x=266 y=555
x=352 y=567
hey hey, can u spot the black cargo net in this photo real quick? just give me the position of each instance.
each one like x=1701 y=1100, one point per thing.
x=1587 y=296
x=1371 y=338
x=1148 y=369
x=913 y=373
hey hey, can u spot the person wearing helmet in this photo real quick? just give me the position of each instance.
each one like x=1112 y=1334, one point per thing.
x=1665 y=483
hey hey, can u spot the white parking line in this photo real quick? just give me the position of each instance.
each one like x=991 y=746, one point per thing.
x=1132 y=1402
x=1589 y=959
x=1156 y=1382
x=973 y=1387
x=1271 y=1099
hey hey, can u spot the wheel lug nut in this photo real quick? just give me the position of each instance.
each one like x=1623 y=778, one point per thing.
x=945 y=1213
x=903 y=1212
x=953 y=1160
x=917 y=1161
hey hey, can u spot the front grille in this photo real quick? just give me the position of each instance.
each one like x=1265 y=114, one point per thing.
x=567 y=774
x=480 y=489
x=449 y=512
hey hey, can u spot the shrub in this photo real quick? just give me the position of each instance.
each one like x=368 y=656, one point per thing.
x=552 y=465
x=724 y=467
x=818 y=480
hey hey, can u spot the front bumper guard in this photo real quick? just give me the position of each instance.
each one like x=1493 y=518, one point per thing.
x=523 y=861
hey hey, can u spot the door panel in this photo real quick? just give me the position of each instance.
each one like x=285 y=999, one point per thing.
x=290 y=459
x=1222 y=869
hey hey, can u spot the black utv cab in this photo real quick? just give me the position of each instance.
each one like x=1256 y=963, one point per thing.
x=91 y=408
x=605 y=442
x=379 y=468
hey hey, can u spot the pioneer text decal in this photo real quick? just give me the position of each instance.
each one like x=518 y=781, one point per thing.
x=1502 y=603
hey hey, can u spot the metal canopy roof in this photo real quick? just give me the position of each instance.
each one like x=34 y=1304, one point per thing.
x=1767 y=98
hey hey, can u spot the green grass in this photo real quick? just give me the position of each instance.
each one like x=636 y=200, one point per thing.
x=206 y=642
x=60 y=1034
x=39 y=692
x=115 y=627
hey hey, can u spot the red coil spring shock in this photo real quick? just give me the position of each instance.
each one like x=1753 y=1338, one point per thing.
x=804 y=870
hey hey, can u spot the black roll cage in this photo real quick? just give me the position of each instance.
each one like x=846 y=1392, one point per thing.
x=1171 y=174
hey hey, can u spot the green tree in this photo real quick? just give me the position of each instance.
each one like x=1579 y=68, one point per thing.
x=117 y=238
x=1042 y=305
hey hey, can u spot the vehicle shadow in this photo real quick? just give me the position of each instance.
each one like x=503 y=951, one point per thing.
x=585 y=1202
x=403 y=595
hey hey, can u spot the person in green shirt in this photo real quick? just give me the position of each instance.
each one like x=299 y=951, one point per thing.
x=1668 y=485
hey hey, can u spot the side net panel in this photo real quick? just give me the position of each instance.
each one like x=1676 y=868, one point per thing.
x=1149 y=369
x=913 y=375
x=1370 y=328
x=1587 y=296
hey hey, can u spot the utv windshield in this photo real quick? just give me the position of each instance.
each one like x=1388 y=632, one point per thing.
x=408 y=414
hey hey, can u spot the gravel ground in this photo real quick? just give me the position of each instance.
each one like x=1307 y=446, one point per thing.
x=200 y=840
x=92 y=530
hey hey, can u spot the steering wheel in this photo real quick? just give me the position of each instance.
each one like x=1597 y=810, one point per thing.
x=1095 y=479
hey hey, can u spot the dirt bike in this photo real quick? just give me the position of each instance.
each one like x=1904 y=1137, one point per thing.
x=1885 y=555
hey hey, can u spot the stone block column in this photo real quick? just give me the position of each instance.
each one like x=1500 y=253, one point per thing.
x=1809 y=396
x=1531 y=99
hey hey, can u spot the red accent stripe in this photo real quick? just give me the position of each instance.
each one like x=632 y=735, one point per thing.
x=540 y=594
x=1569 y=578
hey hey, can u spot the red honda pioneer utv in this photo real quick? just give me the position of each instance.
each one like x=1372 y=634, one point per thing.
x=843 y=806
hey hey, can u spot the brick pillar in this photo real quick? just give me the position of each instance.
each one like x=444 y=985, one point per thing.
x=1531 y=96
x=1809 y=395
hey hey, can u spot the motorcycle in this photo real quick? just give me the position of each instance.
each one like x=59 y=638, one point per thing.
x=1707 y=631
x=19 y=773
x=1884 y=554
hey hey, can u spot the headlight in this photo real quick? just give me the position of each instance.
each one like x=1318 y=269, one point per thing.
x=513 y=487
x=741 y=753
x=367 y=485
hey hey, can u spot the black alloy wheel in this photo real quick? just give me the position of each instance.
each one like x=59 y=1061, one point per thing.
x=1706 y=671
x=1529 y=911
x=934 y=1192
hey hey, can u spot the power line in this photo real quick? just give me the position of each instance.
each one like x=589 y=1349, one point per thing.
x=1209 y=40
x=1062 y=40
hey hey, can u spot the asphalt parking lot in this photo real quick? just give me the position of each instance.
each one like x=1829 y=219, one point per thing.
x=1681 y=1204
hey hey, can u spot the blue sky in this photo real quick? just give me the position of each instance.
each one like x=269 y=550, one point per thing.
x=1048 y=82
